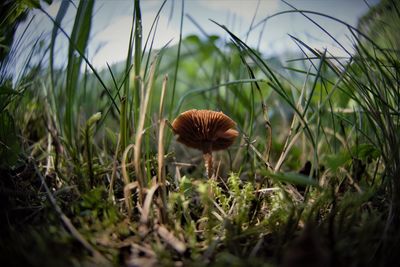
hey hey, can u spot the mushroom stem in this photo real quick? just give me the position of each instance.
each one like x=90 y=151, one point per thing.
x=208 y=164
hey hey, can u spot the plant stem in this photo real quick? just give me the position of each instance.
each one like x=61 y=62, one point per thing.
x=208 y=164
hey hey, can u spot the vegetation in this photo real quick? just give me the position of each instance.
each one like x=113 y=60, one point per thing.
x=91 y=173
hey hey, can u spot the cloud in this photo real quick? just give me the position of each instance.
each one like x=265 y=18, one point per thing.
x=244 y=9
x=115 y=37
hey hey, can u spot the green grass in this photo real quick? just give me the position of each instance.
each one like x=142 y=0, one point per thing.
x=92 y=174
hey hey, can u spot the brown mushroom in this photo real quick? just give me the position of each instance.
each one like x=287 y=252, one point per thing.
x=205 y=130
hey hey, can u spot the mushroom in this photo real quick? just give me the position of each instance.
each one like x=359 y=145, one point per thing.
x=205 y=130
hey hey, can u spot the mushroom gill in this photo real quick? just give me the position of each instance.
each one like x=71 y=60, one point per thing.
x=205 y=130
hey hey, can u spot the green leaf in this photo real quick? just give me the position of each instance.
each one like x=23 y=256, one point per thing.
x=335 y=161
x=79 y=41
x=9 y=145
x=6 y=93
x=365 y=151
x=292 y=178
x=93 y=119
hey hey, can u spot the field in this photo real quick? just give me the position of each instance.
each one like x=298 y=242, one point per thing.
x=94 y=173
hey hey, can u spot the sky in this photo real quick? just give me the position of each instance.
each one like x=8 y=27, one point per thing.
x=112 y=22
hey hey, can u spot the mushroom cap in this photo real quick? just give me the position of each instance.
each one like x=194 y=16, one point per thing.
x=205 y=130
